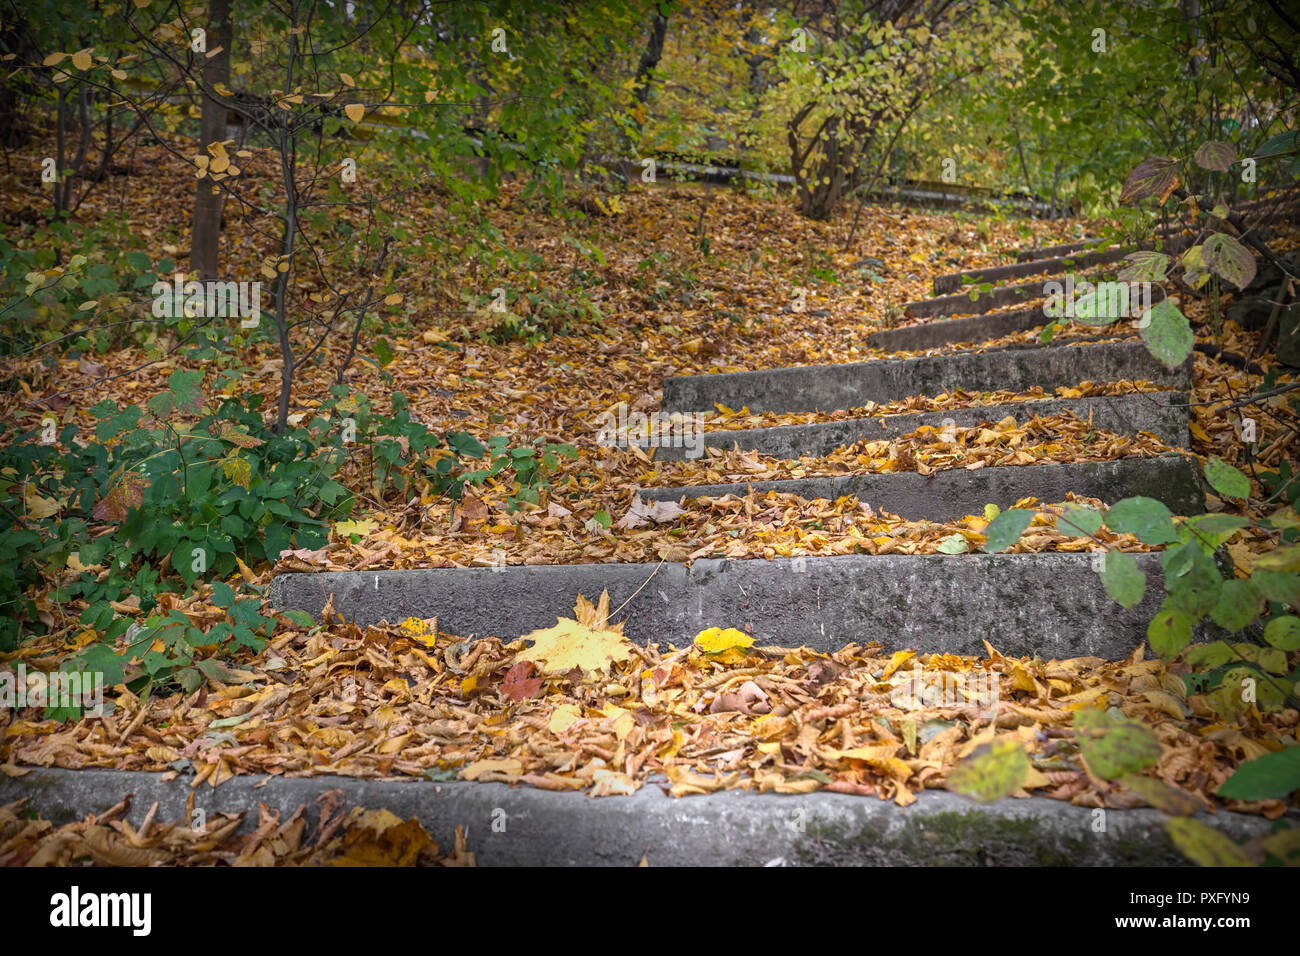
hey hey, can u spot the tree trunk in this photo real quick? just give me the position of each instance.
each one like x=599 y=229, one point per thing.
x=205 y=234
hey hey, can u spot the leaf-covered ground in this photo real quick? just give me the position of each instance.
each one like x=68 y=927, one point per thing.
x=340 y=837
x=422 y=703
x=604 y=716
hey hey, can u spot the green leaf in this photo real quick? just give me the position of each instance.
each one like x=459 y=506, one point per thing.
x=1226 y=480
x=1270 y=777
x=957 y=544
x=1218 y=524
x=301 y=618
x=222 y=594
x=1284 y=633
x=1169 y=631
x=1079 y=520
x=1216 y=155
x=1168 y=334
x=185 y=390
x=1228 y=259
x=1208 y=656
x=1006 y=529
x=1171 y=800
x=1280 y=145
x=1123 y=579
x=1284 y=558
x=1204 y=845
x=102 y=659
x=1145 y=518
x=1113 y=746
x=1145 y=266
x=1238 y=605
x=991 y=771
x=1279 y=586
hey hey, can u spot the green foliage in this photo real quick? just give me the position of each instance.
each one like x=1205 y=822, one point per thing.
x=1270 y=777
x=1114 y=746
x=991 y=771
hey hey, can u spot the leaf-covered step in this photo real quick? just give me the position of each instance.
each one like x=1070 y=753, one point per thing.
x=850 y=385
x=1053 y=605
x=952 y=492
x=968 y=304
x=953 y=281
x=972 y=328
x=1163 y=414
x=726 y=828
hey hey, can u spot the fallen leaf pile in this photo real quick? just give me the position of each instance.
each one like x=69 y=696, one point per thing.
x=729 y=418
x=605 y=716
x=1041 y=440
x=411 y=701
x=340 y=837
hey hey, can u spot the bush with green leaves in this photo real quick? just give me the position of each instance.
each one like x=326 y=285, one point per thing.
x=158 y=498
x=1245 y=619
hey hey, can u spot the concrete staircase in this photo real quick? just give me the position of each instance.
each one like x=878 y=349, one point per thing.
x=1051 y=604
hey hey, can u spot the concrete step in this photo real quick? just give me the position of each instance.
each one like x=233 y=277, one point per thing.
x=1050 y=604
x=1062 y=249
x=525 y=826
x=829 y=388
x=964 y=304
x=953 y=281
x=950 y=493
x=973 y=328
x=1163 y=414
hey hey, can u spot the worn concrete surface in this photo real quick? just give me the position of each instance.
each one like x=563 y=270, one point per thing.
x=524 y=826
x=953 y=492
x=963 y=304
x=1163 y=414
x=973 y=328
x=953 y=281
x=850 y=385
x=1050 y=604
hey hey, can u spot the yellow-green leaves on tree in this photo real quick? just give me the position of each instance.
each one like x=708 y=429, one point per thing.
x=126 y=493
x=1226 y=480
x=1239 y=603
x=1123 y=579
x=1171 y=800
x=237 y=470
x=1285 y=558
x=1154 y=176
x=1204 y=846
x=991 y=771
x=1006 y=529
x=1114 y=746
x=1284 y=632
x=1169 y=631
x=1168 y=335
x=1228 y=259
x=1270 y=777
x=1149 y=520
x=1215 y=155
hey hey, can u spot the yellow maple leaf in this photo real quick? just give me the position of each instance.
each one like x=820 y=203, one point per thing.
x=362 y=527
x=715 y=640
x=589 y=642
